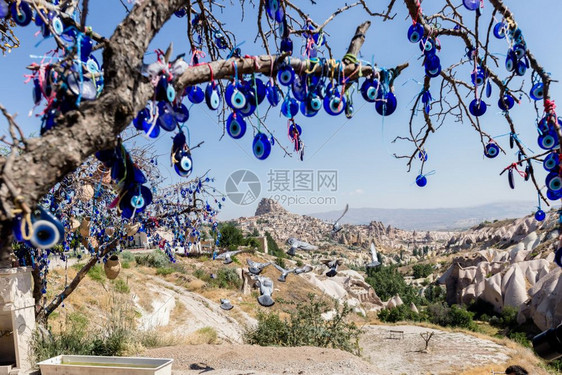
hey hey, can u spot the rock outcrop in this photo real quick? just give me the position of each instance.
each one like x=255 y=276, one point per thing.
x=347 y=286
x=269 y=206
x=544 y=306
x=509 y=278
x=271 y=217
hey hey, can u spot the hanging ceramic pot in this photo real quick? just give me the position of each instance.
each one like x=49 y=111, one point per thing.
x=112 y=267
x=132 y=229
x=85 y=193
x=85 y=227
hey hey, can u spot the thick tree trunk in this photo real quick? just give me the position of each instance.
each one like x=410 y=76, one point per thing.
x=43 y=313
x=94 y=126
x=5 y=244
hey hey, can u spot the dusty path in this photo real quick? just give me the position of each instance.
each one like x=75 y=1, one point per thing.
x=450 y=353
x=231 y=359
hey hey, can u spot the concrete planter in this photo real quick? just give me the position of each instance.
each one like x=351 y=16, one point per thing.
x=17 y=318
x=95 y=365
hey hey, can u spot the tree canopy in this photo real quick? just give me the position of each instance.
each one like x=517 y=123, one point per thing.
x=88 y=102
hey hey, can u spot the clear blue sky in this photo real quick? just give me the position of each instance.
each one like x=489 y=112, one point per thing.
x=359 y=149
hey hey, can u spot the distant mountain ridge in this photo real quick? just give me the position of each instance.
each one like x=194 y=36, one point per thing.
x=431 y=218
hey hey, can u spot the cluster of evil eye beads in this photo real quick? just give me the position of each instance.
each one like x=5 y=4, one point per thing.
x=63 y=81
x=548 y=140
x=307 y=94
x=81 y=77
x=516 y=62
x=133 y=195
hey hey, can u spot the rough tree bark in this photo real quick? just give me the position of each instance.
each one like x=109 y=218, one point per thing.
x=95 y=125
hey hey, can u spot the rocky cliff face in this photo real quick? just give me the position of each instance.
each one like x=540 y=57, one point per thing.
x=506 y=263
x=522 y=276
x=273 y=218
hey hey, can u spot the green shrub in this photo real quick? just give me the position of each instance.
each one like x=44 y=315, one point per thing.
x=113 y=343
x=455 y=316
x=152 y=339
x=227 y=278
x=97 y=273
x=388 y=282
x=164 y=271
x=555 y=366
x=496 y=321
x=127 y=256
x=397 y=314
x=422 y=270
x=520 y=338
x=273 y=248
x=299 y=263
x=509 y=316
x=480 y=307
x=270 y=331
x=125 y=265
x=434 y=293
x=200 y=274
x=207 y=335
x=252 y=243
x=231 y=236
x=485 y=311
x=75 y=339
x=280 y=262
x=438 y=313
x=461 y=317
x=306 y=327
x=121 y=286
x=155 y=259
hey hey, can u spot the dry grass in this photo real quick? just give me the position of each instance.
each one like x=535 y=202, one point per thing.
x=205 y=335
x=180 y=314
x=523 y=357
x=93 y=299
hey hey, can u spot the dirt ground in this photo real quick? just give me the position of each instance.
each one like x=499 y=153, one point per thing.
x=449 y=353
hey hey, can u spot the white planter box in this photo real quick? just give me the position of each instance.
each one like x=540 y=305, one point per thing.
x=94 y=365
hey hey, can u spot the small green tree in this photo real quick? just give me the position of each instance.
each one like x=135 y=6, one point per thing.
x=252 y=243
x=272 y=246
x=388 y=282
x=454 y=316
x=231 y=236
x=399 y=313
x=422 y=270
x=434 y=293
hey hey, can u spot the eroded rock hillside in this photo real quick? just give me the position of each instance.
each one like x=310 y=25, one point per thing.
x=505 y=263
